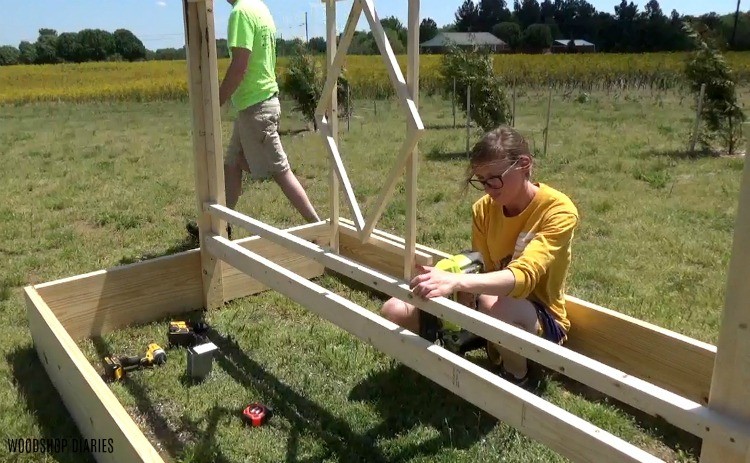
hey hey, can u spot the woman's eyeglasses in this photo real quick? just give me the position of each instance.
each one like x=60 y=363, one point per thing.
x=496 y=181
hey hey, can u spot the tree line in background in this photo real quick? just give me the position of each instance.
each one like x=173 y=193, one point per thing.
x=628 y=30
x=528 y=25
x=85 y=45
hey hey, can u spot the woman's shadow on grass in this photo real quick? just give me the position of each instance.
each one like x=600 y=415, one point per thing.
x=405 y=400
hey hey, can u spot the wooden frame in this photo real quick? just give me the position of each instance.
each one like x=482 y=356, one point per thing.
x=692 y=385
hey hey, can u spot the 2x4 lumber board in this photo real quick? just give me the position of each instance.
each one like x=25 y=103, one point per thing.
x=563 y=432
x=384 y=256
x=204 y=97
x=326 y=132
x=668 y=359
x=729 y=385
x=381 y=236
x=394 y=71
x=99 y=302
x=334 y=66
x=386 y=192
x=91 y=404
x=332 y=115
x=412 y=80
x=677 y=410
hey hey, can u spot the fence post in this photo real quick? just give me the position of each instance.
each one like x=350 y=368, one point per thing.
x=453 y=100
x=468 y=117
x=694 y=138
x=348 y=108
x=546 y=129
x=513 y=114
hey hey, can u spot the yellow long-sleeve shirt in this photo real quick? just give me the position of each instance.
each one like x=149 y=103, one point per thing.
x=535 y=245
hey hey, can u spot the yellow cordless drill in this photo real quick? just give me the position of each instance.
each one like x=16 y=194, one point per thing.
x=116 y=367
x=443 y=332
x=155 y=355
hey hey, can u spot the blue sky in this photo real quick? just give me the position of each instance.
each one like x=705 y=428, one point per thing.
x=158 y=23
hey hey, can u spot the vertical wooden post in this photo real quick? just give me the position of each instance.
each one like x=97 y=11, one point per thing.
x=546 y=128
x=333 y=119
x=453 y=100
x=729 y=392
x=698 y=112
x=513 y=113
x=468 y=118
x=203 y=87
x=348 y=108
x=412 y=80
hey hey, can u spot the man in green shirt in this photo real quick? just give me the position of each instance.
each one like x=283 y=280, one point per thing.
x=250 y=83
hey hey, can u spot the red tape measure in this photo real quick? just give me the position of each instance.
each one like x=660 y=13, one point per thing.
x=256 y=414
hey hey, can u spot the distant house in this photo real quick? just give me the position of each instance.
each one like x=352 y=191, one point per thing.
x=577 y=46
x=484 y=40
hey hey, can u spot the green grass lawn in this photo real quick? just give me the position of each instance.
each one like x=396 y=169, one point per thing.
x=87 y=187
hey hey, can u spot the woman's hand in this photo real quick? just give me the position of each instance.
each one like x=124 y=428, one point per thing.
x=433 y=282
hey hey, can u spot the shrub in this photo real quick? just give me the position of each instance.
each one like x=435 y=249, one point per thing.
x=721 y=111
x=304 y=80
x=489 y=103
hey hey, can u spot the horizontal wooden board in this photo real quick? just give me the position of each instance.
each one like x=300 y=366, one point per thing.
x=382 y=254
x=87 y=398
x=670 y=360
x=100 y=302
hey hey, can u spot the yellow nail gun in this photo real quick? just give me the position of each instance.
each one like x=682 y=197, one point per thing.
x=444 y=332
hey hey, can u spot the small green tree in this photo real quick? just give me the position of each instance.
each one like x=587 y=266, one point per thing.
x=721 y=111
x=473 y=68
x=304 y=82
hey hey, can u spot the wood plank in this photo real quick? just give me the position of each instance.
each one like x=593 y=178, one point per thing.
x=209 y=173
x=332 y=115
x=729 y=384
x=675 y=362
x=391 y=64
x=91 y=404
x=334 y=68
x=679 y=411
x=565 y=433
x=331 y=146
x=386 y=192
x=99 y=302
x=377 y=252
x=412 y=80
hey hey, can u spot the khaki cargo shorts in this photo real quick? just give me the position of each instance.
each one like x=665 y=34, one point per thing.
x=255 y=136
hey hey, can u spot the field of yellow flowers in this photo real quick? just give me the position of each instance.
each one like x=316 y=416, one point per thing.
x=167 y=80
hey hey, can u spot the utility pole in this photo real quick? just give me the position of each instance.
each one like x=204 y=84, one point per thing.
x=307 y=34
x=736 y=18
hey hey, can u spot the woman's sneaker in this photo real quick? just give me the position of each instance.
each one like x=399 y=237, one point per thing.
x=529 y=382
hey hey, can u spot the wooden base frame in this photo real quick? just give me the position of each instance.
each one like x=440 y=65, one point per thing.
x=697 y=387
x=611 y=353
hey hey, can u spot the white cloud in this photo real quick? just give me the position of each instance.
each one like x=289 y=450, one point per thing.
x=161 y=3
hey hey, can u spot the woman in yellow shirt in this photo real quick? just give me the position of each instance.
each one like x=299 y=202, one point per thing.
x=523 y=230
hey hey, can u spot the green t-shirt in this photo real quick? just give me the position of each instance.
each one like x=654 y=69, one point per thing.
x=251 y=26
